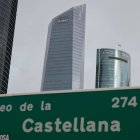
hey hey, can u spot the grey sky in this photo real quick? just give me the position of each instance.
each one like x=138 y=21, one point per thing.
x=108 y=22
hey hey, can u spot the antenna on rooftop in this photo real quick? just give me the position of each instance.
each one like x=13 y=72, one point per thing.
x=119 y=45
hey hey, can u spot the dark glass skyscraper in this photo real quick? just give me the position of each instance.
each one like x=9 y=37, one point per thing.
x=112 y=68
x=8 y=10
x=64 y=58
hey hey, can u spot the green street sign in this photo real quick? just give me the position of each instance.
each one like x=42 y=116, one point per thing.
x=71 y=115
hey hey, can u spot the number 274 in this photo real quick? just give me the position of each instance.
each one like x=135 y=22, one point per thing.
x=122 y=102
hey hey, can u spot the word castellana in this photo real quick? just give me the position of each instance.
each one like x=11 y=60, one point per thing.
x=76 y=125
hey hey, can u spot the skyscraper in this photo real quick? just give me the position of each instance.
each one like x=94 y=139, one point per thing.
x=112 y=68
x=64 y=58
x=8 y=10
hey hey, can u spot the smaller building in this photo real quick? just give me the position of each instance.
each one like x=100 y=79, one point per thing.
x=112 y=68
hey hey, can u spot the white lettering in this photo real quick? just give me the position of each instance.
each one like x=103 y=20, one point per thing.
x=48 y=127
x=25 y=123
x=26 y=107
x=75 y=129
x=45 y=106
x=5 y=108
x=58 y=123
x=91 y=126
x=115 y=127
x=67 y=126
x=77 y=125
x=103 y=126
x=38 y=127
x=82 y=129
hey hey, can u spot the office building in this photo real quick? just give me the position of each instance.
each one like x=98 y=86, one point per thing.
x=112 y=68
x=8 y=10
x=64 y=58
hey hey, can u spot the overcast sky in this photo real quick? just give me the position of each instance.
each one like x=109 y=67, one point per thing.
x=108 y=22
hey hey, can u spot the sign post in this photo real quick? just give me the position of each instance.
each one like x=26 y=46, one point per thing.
x=78 y=115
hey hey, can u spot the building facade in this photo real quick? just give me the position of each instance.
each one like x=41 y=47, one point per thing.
x=112 y=68
x=64 y=58
x=8 y=10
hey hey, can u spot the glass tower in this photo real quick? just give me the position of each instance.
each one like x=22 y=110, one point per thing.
x=112 y=68
x=64 y=58
x=8 y=10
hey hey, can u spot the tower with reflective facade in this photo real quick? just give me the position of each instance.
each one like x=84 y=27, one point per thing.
x=112 y=68
x=64 y=58
x=8 y=10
